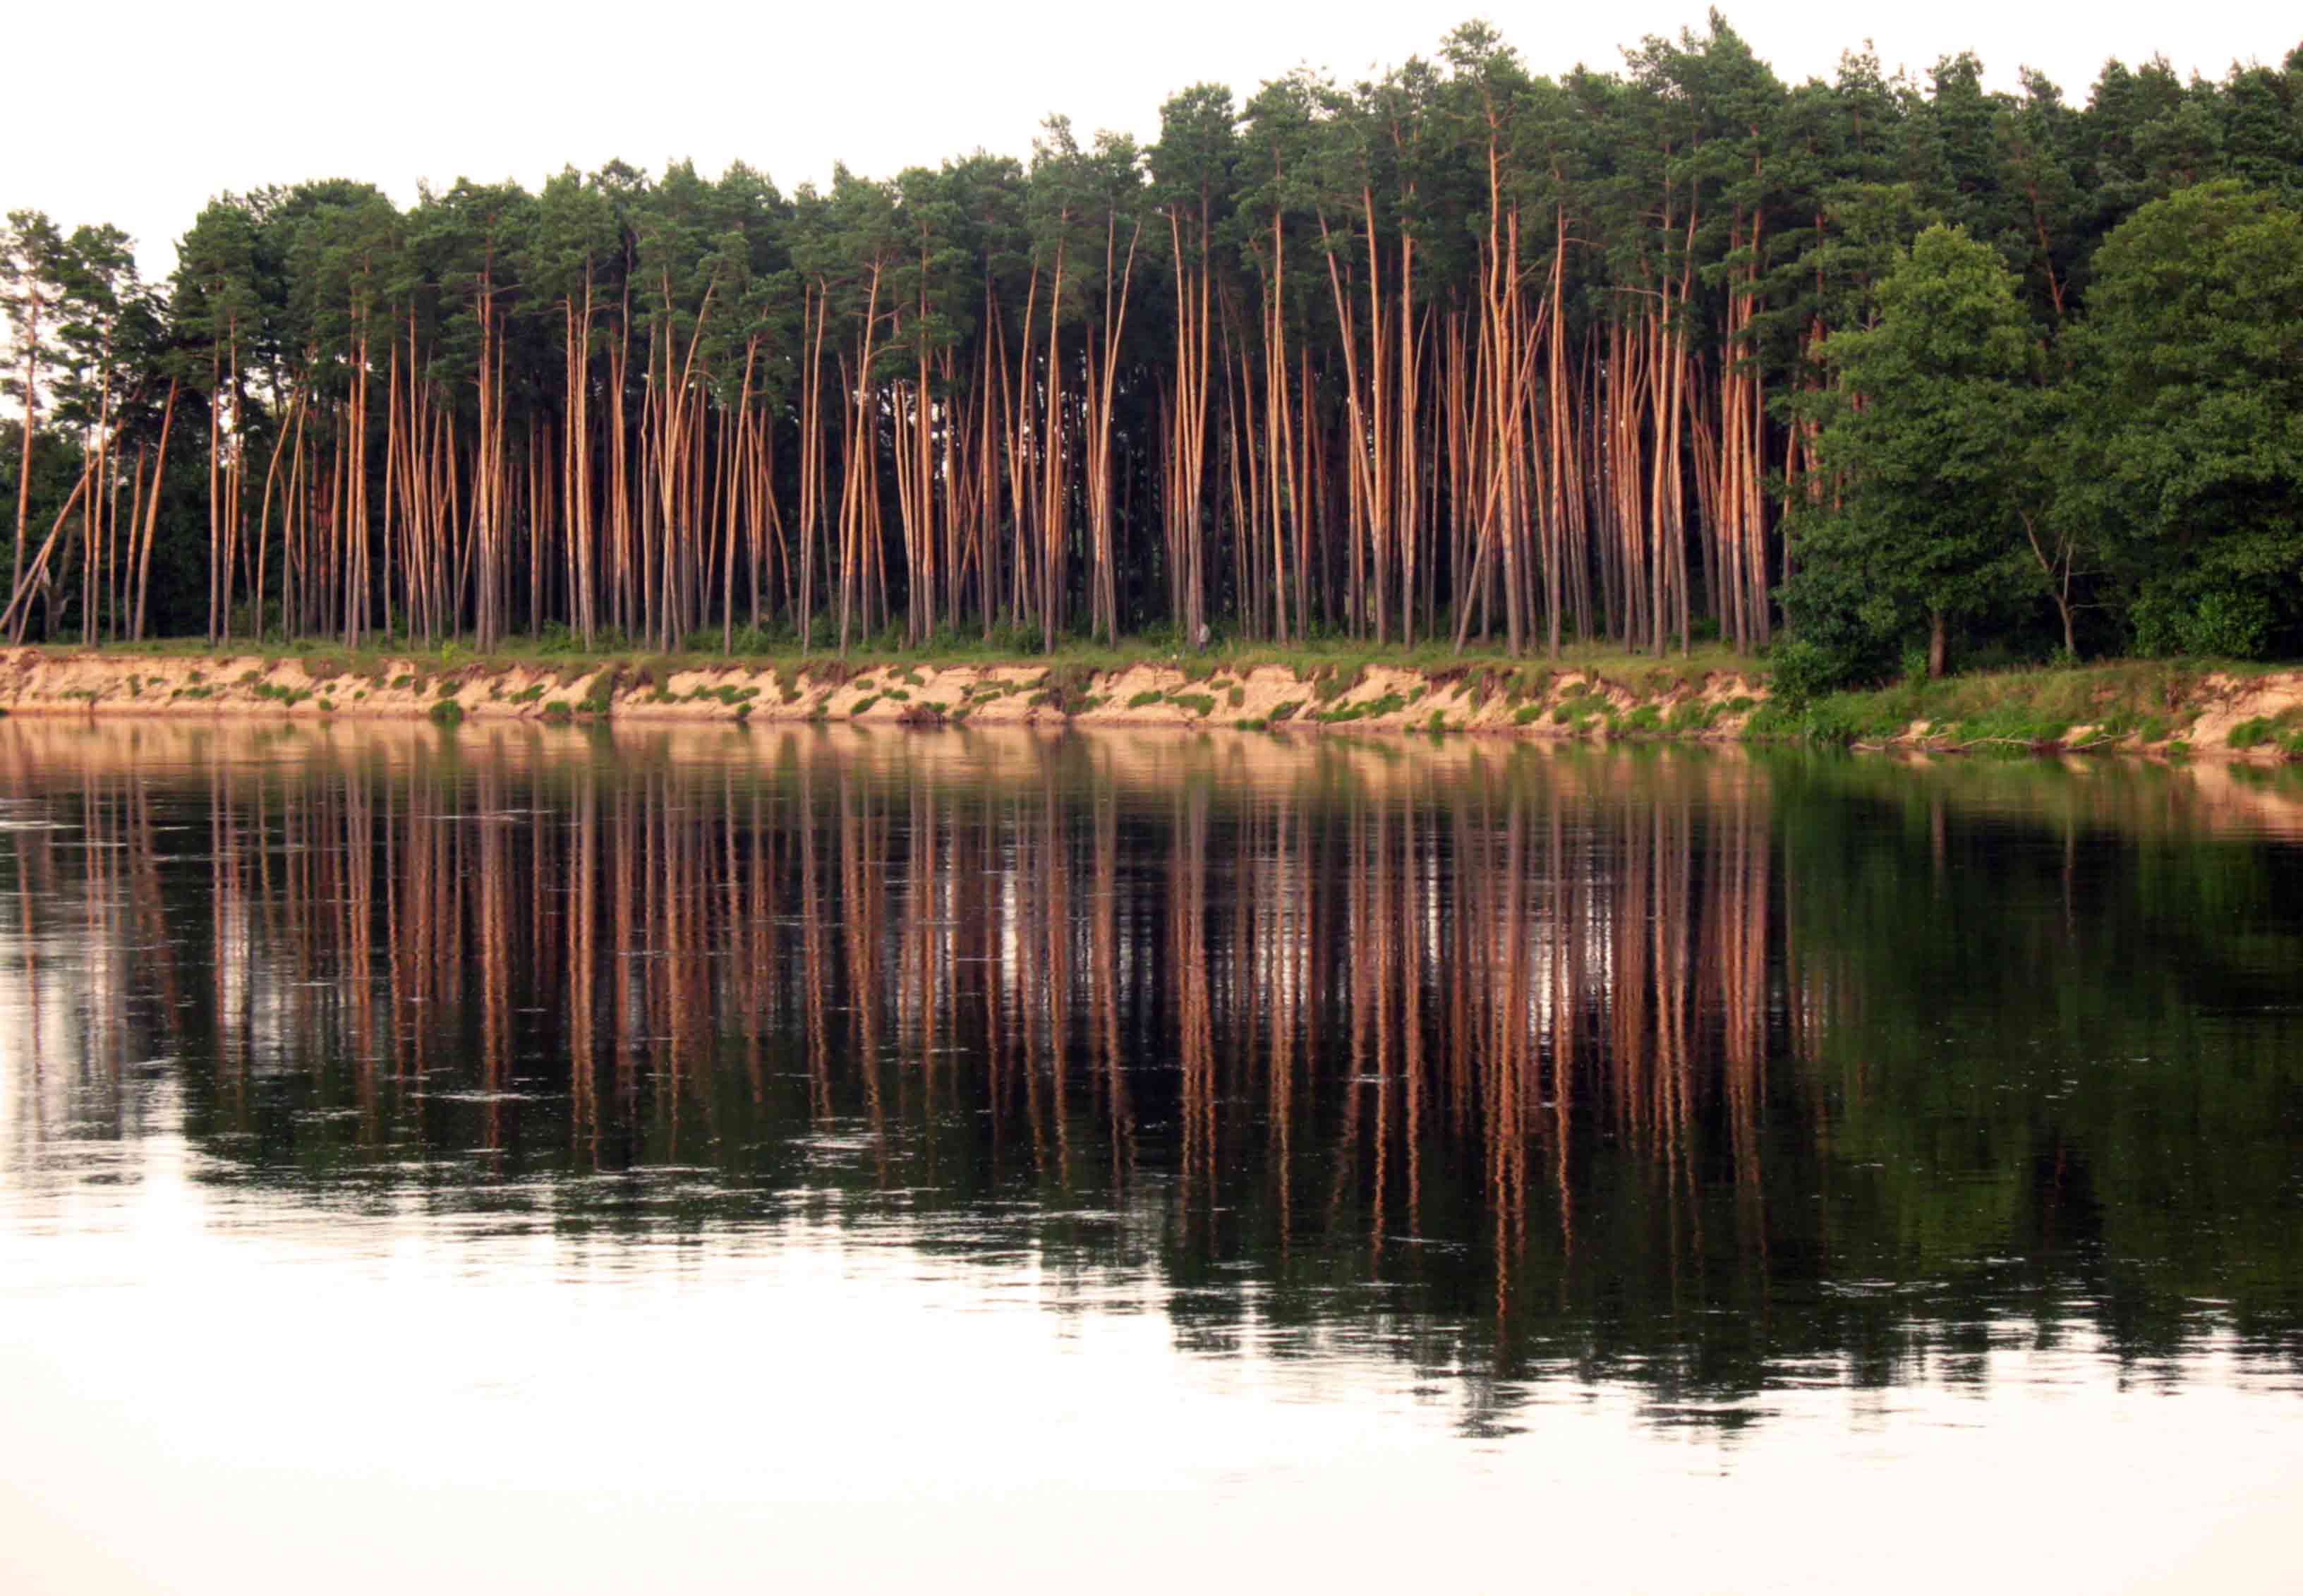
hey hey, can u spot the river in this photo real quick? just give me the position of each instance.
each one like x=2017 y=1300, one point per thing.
x=718 y=1158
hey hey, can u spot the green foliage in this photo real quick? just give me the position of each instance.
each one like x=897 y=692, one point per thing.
x=1389 y=703
x=2280 y=731
x=1919 y=428
x=2188 y=443
x=2050 y=349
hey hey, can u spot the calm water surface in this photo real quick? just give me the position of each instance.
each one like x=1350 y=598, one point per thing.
x=787 y=1157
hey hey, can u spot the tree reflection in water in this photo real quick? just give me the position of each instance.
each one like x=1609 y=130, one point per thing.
x=1707 y=1071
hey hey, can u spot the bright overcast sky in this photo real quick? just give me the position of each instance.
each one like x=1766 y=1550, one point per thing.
x=139 y=114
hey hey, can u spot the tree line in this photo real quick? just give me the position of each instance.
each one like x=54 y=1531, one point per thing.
x=1460 y=351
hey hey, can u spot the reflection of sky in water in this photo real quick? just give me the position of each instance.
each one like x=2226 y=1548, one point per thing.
x=217 y=1389
x=221 y=1374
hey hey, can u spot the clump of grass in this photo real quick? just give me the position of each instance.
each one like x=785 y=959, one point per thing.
x=1331 y=682
x=1579 y=709
x=1283 y=713
x=1689 y=715
x=1365 y=710
x=602 y=694
x=447 y=712
x=1145 y=699
x=2254 y=732
x=1064 y=689
x=1200 y=703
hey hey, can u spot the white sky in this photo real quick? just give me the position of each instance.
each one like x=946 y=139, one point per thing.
x=139 y=114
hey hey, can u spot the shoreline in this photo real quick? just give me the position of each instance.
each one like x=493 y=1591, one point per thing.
x=1476 y=698
x=2204 y=713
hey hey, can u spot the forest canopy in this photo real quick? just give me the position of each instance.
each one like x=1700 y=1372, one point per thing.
x=1875 y=374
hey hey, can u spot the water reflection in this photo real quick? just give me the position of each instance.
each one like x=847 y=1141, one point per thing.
x=1715 y=1076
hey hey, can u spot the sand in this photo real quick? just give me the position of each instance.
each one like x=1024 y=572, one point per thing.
x=1485 y=700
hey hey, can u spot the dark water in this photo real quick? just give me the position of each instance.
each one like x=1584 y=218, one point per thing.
x=725 y=1158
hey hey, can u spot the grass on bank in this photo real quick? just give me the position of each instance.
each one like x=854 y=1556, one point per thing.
x=2085 y=705
x=1334 y=660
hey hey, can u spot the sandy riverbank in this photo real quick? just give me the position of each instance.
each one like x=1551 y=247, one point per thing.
x=2115 y=707
x=1530 y=701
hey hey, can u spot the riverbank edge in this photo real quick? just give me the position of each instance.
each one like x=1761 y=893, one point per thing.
x=2136 y=708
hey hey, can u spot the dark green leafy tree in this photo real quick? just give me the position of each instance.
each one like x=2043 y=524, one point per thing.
x=2186 y=446
x=1919 y=432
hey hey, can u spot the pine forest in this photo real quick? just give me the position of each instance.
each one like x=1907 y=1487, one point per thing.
x=1838 y=370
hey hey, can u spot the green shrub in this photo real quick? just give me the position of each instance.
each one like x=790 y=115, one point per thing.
x=2225 y=621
